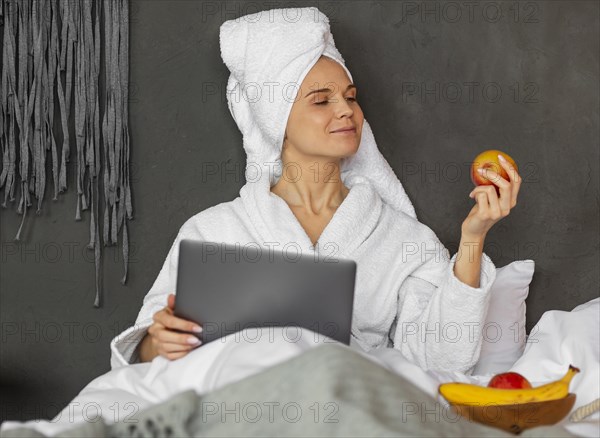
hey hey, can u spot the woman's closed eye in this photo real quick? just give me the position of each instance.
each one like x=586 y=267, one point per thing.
x=352 y=99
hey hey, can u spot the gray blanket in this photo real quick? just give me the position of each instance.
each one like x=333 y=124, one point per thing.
x=329 y=390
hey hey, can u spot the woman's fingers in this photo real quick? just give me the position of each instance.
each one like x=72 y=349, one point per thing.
x=487 y=202
x=173 y=322
x=169 y=336
x=493 y=203
x=166 y=337
x=513 y=175
x=176 y=355
x=170 y=347
x=171 y=301
x=515 y=179
x=482 y=202
x=172 y=351
x=505 y=200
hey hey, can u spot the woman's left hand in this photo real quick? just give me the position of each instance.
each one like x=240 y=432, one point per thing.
x=489 y=209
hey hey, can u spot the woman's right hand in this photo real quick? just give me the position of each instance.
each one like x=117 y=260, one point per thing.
x=165 y=340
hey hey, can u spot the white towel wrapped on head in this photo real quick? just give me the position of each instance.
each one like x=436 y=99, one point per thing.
x=269 y=54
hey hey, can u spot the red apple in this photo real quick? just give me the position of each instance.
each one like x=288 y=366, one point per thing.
x=489 y=160
x=509 y=381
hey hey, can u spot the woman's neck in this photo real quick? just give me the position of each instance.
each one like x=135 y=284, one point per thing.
x=314 y=198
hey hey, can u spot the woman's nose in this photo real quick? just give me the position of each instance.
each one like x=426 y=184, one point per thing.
x=343 y=107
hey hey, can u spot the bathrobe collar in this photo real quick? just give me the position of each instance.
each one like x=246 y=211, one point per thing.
x=352 y=223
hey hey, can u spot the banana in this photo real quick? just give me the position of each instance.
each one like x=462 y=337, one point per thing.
x=466 y=393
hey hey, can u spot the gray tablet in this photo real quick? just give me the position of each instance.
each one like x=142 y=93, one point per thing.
x=229 y=287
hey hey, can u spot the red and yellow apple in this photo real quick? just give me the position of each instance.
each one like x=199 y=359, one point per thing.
x=489 y=160
x=509 y=380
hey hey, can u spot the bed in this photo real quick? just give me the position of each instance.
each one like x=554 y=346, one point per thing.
x=251 y=383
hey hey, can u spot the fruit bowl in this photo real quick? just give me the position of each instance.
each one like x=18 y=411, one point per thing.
x=517 y=417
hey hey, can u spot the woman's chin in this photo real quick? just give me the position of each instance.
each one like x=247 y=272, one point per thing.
x=349 y=149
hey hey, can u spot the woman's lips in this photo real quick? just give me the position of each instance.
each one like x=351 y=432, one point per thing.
x=346 y=132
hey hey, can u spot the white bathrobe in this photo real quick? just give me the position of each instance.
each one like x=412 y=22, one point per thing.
x=406 y=293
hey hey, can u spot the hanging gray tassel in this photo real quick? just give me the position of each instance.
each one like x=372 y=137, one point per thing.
x=44 y=41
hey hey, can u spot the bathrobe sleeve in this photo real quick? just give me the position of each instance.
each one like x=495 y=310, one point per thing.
x=124 y=346
x=440 y=318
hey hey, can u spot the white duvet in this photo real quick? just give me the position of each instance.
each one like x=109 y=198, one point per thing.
x=559 y=339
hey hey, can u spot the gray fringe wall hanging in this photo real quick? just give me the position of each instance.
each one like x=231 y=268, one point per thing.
x=55 y=50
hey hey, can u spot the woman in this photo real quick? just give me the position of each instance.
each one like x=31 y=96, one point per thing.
x=334 y=188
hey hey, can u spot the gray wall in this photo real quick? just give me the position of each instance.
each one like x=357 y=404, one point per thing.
x=543 y=60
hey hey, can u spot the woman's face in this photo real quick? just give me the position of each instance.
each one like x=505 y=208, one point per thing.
x=315 y=115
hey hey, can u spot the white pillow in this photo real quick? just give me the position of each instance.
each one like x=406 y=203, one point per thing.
x=560 y=339
x=504 y=328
